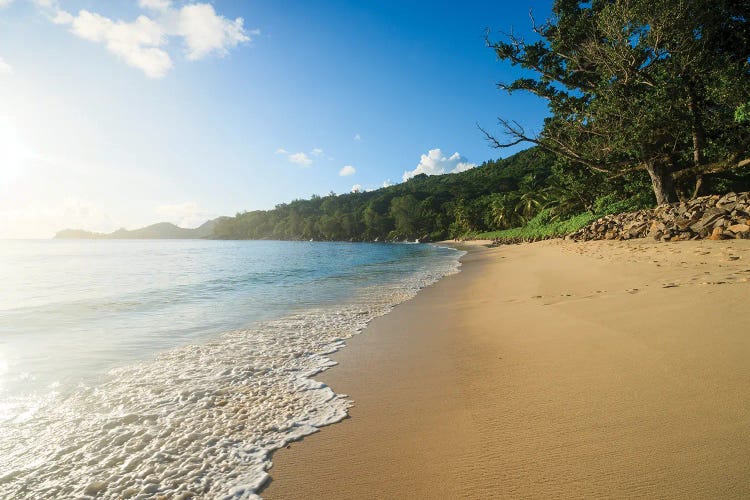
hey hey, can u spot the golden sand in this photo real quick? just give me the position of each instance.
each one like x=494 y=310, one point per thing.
x=553 y=369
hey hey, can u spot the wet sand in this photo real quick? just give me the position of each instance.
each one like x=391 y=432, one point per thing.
x=553 y=369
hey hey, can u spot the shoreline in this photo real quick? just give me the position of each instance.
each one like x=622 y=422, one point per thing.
x=545 y=369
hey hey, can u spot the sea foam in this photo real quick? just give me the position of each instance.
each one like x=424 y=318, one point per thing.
x=200 y=420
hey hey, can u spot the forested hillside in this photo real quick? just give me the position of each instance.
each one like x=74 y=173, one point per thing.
x=498 y=194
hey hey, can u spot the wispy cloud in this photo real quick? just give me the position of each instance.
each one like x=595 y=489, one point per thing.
x=144 y=43
x=347 y=170
x=357 y=137
x=300 y=159
x=436 y=163
x=5 y=68
x=357 y=188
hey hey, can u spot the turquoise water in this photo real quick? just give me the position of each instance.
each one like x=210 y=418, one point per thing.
x=116 y=356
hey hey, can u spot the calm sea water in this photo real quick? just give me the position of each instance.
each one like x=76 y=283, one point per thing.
x=173 y=367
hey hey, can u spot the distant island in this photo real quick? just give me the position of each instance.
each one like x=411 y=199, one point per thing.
x=159 y=231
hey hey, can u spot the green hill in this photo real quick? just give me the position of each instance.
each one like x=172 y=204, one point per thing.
x=424 y=207
x=162 y=230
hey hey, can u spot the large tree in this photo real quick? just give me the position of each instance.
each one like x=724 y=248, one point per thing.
x=638 y=84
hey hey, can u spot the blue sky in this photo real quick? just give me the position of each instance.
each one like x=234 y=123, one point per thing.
x=128 y=112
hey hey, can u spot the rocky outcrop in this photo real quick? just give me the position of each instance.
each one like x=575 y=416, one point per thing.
x=714 y=217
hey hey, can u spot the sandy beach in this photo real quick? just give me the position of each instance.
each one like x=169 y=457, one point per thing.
x=553 y=369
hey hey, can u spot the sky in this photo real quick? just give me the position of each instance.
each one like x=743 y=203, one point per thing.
x=123 y=113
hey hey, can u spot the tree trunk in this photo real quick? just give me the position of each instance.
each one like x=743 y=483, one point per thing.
x=698 y=186
x=699 y=137
x=662 y=182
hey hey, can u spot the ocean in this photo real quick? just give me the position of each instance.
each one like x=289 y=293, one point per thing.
x=174 y=367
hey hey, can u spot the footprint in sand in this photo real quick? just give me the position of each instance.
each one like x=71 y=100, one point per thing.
x=670 y=285
x=632 y=290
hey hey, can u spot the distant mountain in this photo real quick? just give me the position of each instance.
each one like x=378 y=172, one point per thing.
x=159 y=231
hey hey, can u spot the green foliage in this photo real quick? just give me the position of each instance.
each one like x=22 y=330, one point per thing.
x=547 y=224
x=742 y=113
x=540 y=227
x=612 y=204
x=638 y=84
x=495 y=195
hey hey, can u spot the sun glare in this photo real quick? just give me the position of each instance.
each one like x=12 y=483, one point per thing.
x=12 y=150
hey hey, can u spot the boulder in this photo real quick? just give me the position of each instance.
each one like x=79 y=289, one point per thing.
x=718 y=217
x=709 y=217
x=739 y=228
x=717 y=234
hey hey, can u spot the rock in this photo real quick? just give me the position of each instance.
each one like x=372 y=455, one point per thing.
x=684 y=223
x=721 y=222
x=727 y=199
x=739 y=228
x=635 y=230
x=717 y=234
x=709 y=217
x=715 y=216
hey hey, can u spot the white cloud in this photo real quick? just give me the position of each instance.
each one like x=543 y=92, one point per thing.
x=435 y=163
x=144 y=43
x=62 y=17
x=303 y=159
x=5 y=68
x=5 y=3
x=347 y=170
x=187 y=214
x=300 y=159
x=357 y=137
x=205 y=32
x=137 y=43
x=357 y=188
x=157 y=5
x=387 y=183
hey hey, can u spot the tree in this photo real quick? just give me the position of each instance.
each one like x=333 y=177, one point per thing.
x=503 y=211
x=638 y=84
x=406 y=212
